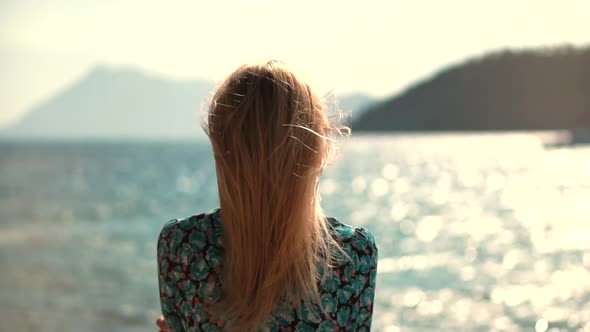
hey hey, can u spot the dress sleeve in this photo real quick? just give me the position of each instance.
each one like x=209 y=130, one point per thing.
x=169 y=278
x=366 y=270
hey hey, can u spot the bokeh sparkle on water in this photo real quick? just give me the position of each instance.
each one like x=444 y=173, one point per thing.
x=476 y=232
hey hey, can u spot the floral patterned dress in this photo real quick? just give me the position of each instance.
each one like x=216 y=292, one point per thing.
x=190 y=256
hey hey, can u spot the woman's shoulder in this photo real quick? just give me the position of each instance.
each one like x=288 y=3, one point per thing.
x=207 y=224
x=348 y=234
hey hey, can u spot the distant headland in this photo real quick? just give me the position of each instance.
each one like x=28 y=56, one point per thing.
x=542 y=89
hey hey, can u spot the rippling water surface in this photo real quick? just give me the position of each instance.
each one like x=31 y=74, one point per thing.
x=476 y=232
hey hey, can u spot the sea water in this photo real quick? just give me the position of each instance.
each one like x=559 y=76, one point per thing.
x=475 y=232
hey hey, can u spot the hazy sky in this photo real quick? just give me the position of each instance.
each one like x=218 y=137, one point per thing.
x=377 y=47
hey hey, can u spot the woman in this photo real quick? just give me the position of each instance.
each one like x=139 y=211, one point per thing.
x=268 y=259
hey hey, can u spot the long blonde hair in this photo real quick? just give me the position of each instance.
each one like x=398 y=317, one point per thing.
x=271 y=139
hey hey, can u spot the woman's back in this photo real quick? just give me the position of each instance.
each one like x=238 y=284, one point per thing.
x=190 y=261
x=281 y=262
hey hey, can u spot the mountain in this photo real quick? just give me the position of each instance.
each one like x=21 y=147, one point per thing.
x=118 y=104
x=540 y=89
x=124 y=103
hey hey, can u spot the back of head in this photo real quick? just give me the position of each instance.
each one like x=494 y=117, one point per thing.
x=270 y=137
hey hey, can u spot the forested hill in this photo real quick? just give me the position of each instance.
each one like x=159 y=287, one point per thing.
x=510 y=90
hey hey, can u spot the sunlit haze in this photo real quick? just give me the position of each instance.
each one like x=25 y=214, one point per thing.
x=377 y=47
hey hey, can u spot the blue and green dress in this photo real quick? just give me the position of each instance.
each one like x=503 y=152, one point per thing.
x=190 y=257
